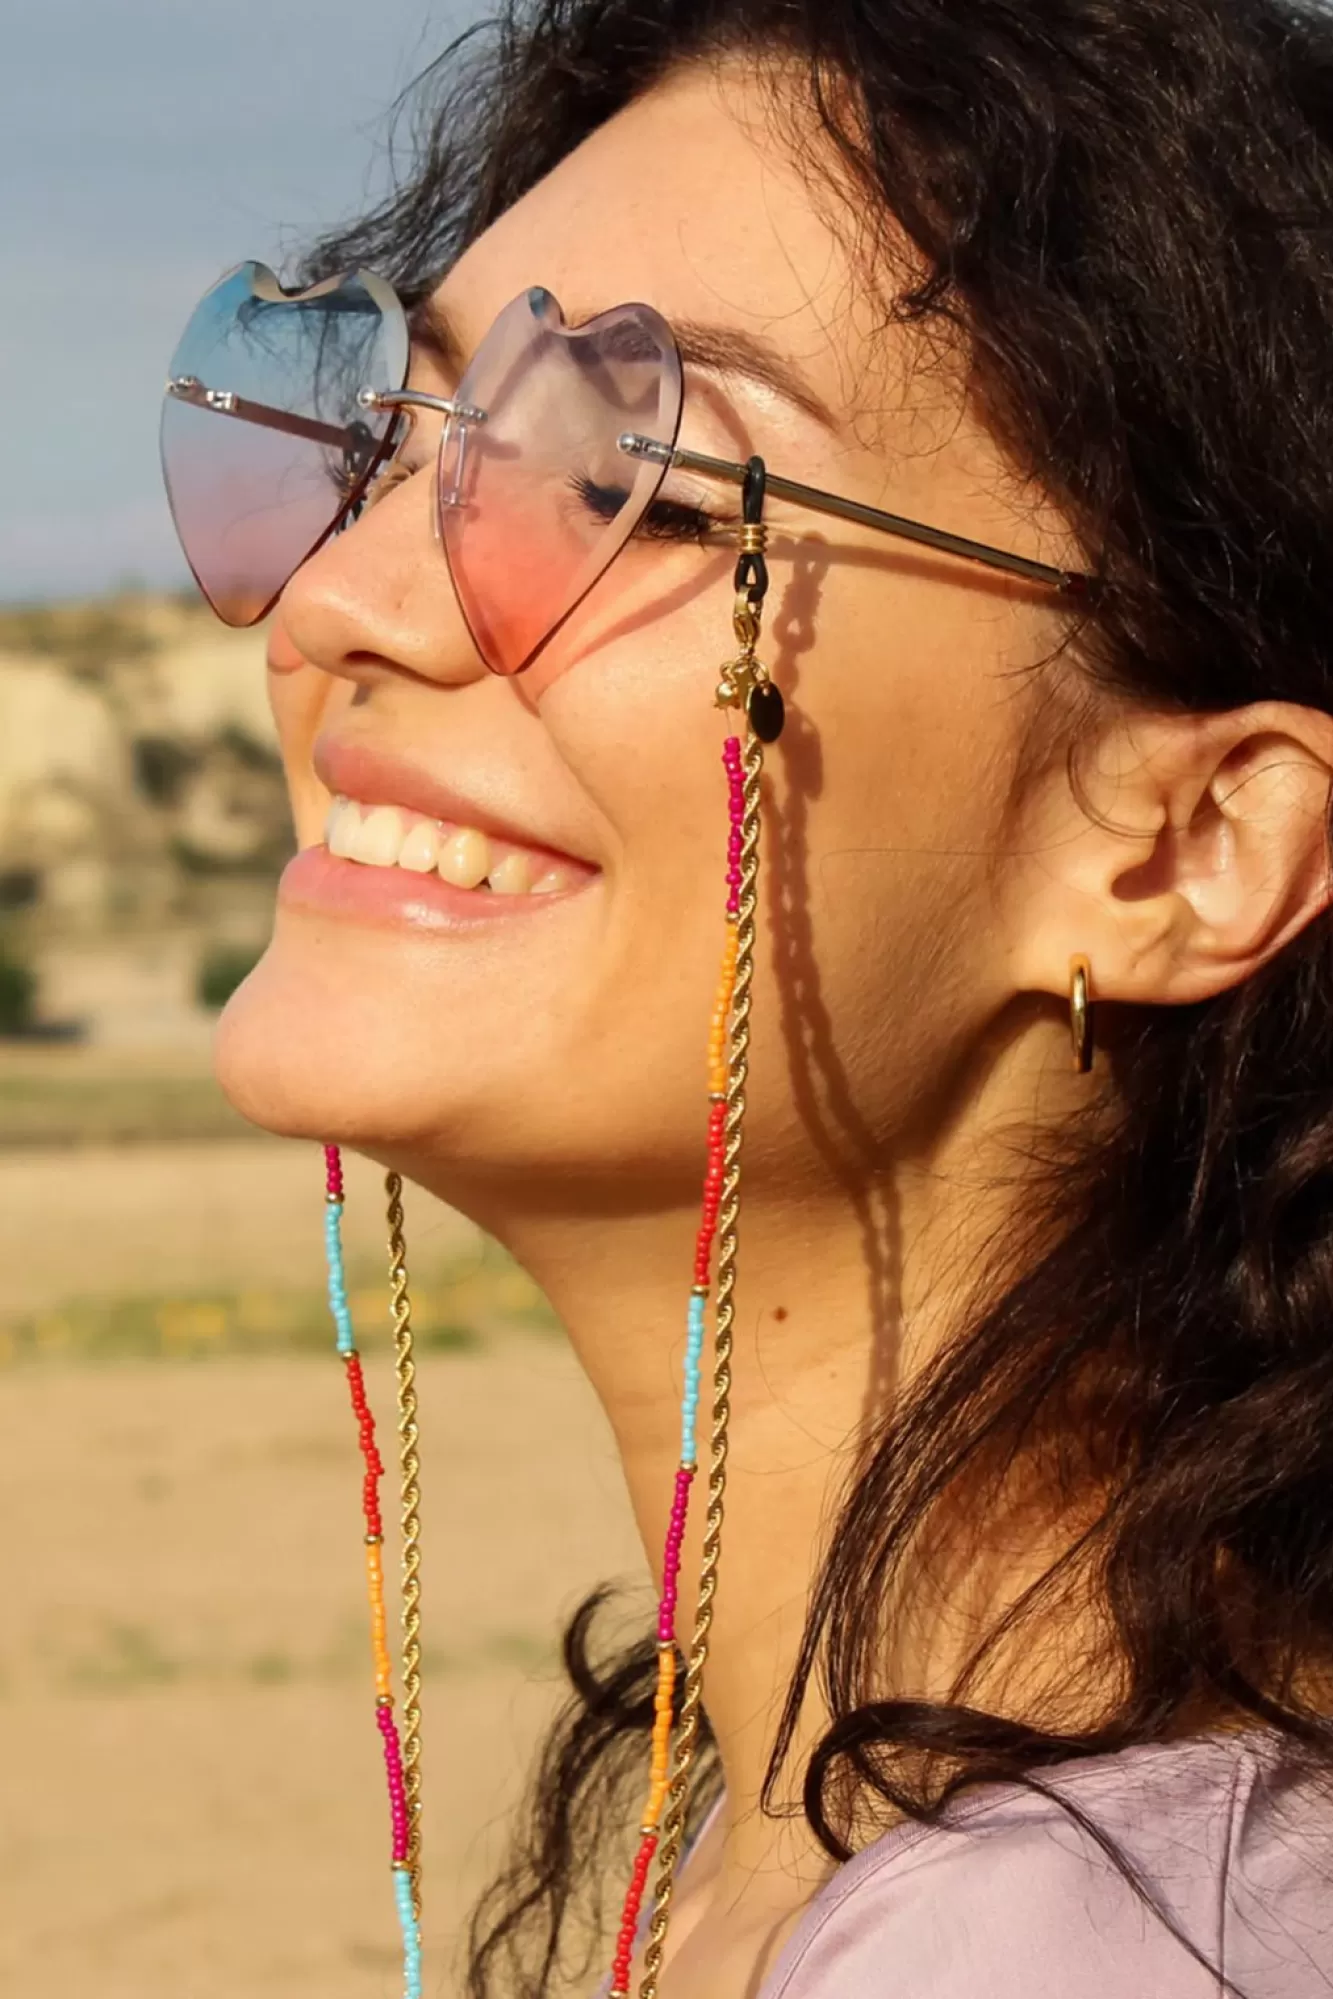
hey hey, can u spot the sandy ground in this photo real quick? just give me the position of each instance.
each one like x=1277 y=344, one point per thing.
x=103 y=1221
x=192 y=1798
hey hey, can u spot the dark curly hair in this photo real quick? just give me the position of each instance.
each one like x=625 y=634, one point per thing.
x=1124 y=208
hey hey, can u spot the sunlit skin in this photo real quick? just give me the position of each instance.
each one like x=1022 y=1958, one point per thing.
x=930 y=874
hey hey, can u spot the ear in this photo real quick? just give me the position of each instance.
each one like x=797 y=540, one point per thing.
x=1187 y=850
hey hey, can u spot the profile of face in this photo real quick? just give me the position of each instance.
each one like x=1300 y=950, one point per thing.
x=532 y=1026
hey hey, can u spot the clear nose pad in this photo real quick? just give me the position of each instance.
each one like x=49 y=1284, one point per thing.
x=455 y=477
x=450 y=488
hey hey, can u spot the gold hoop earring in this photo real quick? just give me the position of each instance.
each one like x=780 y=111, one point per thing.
x=1080 y=1015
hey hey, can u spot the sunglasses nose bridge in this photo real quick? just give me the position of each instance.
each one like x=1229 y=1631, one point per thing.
x=418 y=399
x=459 y=419
x=451 y=453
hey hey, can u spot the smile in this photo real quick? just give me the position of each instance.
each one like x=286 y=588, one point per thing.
x=390 y=836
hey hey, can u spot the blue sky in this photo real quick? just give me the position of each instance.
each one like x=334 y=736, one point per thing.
x=145 y=145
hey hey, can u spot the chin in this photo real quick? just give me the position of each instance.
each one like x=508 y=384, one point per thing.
x=305 y=1052
x=471 y=1093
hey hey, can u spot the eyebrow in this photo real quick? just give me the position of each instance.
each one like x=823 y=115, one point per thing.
x=711 y=348
x=726 y=350
x=429 y=326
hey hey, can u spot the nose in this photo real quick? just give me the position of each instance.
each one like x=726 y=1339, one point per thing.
x=376 y=601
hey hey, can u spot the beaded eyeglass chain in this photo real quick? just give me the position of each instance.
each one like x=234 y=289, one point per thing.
x=744 y=685
x=402 y=1752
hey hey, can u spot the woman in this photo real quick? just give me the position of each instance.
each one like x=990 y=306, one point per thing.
x=1019 y=1669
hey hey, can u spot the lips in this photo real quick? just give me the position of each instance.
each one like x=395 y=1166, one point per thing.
x=373 y=777
x=403 y=848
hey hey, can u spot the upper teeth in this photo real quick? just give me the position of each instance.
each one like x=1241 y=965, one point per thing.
x=386 y=836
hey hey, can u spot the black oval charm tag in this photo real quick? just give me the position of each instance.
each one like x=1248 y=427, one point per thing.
x=766 y=710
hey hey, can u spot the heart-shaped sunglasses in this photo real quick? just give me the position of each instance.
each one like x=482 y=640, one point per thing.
x=552 y=450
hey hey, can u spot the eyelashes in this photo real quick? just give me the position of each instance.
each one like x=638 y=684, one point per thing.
x=665 y=520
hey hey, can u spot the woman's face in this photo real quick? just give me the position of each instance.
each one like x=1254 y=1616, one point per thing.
x=546 y=1033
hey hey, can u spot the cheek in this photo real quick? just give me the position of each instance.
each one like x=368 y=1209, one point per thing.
x=573 y=1046
x=887 y=795
x=302 y=698
x=580 y=1052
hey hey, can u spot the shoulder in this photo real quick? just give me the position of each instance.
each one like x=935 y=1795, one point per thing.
x=1017 y=1897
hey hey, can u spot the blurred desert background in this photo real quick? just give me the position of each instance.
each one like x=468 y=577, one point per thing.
x=192 y=1797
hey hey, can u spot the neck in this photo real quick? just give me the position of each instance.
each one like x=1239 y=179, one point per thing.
x=845 y=1291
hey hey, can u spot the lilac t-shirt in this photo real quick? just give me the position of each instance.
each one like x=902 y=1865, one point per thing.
x=1010 y=1899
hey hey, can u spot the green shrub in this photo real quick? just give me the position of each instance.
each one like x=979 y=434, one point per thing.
x=18 y=992
x=221 y=970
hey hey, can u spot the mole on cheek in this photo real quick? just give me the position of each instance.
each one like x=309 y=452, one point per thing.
x=779 y=1311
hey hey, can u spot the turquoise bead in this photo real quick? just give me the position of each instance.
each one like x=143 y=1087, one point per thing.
x=337 y=1280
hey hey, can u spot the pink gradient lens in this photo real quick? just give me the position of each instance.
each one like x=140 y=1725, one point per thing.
x=264 y=442
x=537 y=498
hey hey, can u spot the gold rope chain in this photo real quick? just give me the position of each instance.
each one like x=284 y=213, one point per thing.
x=738 y=1062
x=409 y=1493
x=409 y=1461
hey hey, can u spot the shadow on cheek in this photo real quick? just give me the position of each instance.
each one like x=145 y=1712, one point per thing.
x=822 y=1091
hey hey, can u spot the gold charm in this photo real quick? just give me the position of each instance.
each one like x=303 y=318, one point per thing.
x=745 y=681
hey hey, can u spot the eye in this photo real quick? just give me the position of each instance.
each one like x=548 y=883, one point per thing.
x=665 y=520
x=383 y=481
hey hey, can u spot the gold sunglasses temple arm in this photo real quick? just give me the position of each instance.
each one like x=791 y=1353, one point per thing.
x=1071 y=582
